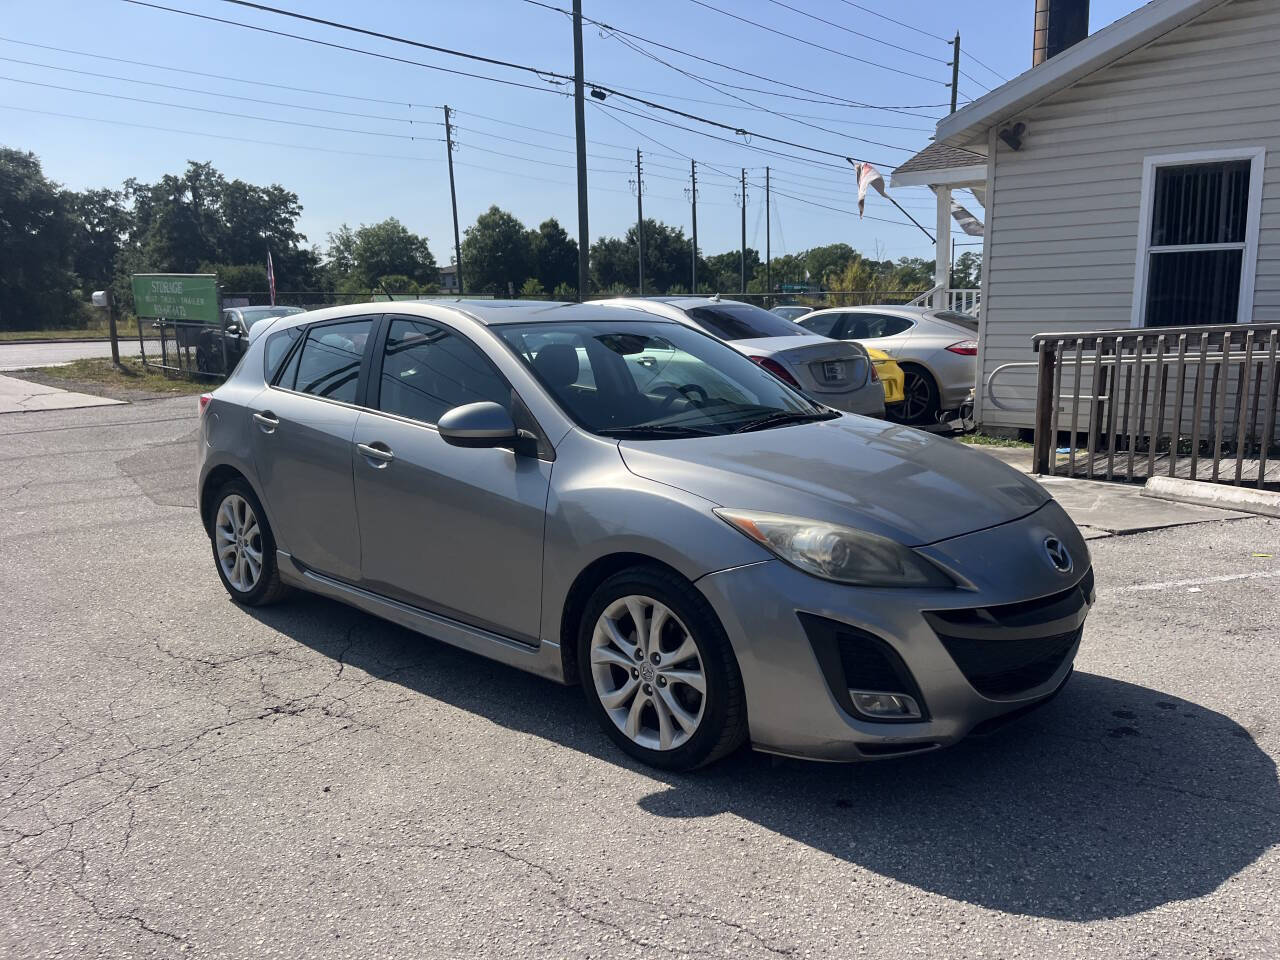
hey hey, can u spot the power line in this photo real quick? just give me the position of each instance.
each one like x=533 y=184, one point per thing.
x=891 y=20
x=807 y=43
x=219 y=76
x=856 y=33
x=829 y=99
x=545 y=73
x=223 y=113
x=211 y=93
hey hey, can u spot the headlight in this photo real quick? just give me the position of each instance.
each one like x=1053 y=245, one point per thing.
x=835 y=552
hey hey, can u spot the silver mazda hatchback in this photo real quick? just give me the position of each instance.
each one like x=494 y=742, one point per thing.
x=605 y=497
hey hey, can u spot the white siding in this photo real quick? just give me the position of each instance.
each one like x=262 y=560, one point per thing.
x=1063 y=212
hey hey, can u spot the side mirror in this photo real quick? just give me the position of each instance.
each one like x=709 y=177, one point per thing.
x=233 y=328
x=484 y=424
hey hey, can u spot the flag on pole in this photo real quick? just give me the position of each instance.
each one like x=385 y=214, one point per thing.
x=967 y=221
x=271 y=278
x=868 y=176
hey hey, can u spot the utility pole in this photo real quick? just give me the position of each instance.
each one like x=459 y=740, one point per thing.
x=768 y=252
x=580 y=131
x=693 y=199
x=640 y=220
x=744 y=230
x=453 y=197
x=955 y=70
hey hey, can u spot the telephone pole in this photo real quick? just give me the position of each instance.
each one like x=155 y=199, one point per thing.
x=693 y=199
x=640 y=220
x=955 y=70
x=768 y=254
x=453 y=197
x=744 y=230
x=580 y=130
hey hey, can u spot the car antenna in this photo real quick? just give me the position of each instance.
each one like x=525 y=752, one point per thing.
x=715 y=298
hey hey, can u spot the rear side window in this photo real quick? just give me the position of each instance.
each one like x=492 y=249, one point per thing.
x=871 y=326
x=329 y=362
x=823 y=325
x=278 y=345
x=428 y=369
x=743 y=321
x=959 y=319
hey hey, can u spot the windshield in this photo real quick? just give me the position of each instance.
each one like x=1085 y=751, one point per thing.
x=253 y=314
x=650 y=380
x=742 y=321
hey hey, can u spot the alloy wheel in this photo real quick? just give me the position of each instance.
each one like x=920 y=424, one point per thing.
x=238 y=541
x=917 y=395
x=648 y=673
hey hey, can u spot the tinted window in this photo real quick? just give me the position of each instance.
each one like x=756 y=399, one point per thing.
x=823 y=325
x=427 y=369
x=742 y=321
x=278 y=345
x=252 y=315
x=959 y=319
x=329 y=362
x=869 y=326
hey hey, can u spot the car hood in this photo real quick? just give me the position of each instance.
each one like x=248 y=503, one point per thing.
x=890 y=480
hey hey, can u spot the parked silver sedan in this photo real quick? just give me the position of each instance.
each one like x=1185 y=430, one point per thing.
x=713 y=556
x=936 y=349
x=839 y=375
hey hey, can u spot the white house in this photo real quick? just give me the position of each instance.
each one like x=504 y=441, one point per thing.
x=1131 y=180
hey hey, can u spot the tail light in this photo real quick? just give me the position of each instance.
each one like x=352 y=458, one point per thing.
x=204 y=402
x=777 y=369
x=875 y=374
x=966 y=348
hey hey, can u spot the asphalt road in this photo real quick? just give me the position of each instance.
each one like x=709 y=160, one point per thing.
x=182 y=777
x=19 y=355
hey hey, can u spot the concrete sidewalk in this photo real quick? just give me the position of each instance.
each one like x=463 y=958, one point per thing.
x=22 y=396
x=1104 y=509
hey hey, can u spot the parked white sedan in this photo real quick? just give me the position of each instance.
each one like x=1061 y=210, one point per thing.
x=935 y=348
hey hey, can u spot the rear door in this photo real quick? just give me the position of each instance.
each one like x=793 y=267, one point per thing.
x=303 y=428
x=454 y=530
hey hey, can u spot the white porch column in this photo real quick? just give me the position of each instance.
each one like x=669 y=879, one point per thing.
x=942 y=270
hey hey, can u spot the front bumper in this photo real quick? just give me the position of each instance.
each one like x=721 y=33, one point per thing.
x=969 y=668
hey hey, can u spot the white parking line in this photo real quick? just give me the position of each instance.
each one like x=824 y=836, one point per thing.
x=1173 y=584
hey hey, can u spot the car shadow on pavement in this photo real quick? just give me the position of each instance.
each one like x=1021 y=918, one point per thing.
x=1111 y=800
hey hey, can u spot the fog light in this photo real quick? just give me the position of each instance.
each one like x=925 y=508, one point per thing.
x=886 y=706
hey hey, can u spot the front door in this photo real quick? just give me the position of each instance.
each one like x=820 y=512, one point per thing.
x=454 y=530
x=302 y=441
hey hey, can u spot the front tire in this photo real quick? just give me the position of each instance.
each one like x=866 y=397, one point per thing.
x=659 y=671
x=244 y=551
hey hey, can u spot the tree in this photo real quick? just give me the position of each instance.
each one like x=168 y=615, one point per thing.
x=722 y=272
x=967 y=271
x=533 y=288
x=554 y=255
x=496 y=253
x=821 y=261
x=102 y=224
x=363 y=258
x=565 y=291
x=36 y=240
x=615 y=261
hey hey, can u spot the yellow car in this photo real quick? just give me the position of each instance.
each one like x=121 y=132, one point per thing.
x=890 y=374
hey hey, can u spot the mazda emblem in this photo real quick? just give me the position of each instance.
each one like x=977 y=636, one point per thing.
x=1058 y=554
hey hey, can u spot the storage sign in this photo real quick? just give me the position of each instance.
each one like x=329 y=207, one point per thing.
x=192 y=297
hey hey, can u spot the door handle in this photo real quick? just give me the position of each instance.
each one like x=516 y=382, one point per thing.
x=267 y=421
x=378 y=451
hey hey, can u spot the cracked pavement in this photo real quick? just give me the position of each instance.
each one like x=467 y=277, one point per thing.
x=181 y=777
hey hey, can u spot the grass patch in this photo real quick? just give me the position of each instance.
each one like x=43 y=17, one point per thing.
x=131 y=375
x=986 y=440
x=128 y=330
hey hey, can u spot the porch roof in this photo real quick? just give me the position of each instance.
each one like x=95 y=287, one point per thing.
x=941 y=164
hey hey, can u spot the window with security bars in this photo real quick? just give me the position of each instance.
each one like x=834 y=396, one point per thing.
x=1197 y=244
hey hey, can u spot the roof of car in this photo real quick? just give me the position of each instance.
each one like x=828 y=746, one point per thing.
x=487 y=312
x=901 y=309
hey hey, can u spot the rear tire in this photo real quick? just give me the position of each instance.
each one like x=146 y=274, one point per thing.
x=921 y=402
x=244 y=550
x=646 y=694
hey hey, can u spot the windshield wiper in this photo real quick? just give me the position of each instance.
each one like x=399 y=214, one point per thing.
x=657 y=431
x=781 y=417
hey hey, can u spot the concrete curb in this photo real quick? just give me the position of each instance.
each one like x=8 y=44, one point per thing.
x=1265 y=503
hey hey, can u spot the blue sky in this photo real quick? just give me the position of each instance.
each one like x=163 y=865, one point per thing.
x=499 y=159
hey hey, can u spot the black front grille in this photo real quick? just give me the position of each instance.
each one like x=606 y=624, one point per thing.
x=1006 y=649
x=852 y=659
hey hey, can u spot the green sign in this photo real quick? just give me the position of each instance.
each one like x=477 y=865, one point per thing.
x=192 y=297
